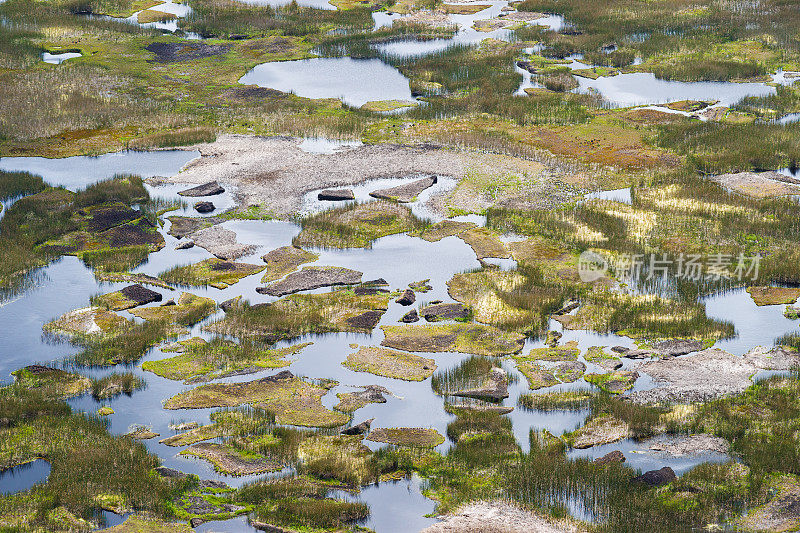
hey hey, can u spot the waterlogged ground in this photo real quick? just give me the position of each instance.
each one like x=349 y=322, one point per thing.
x=400 y=259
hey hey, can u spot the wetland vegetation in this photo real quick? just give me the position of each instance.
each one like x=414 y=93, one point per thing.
x=605 y=337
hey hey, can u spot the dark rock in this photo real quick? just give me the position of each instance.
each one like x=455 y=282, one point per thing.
x=207 y=189
x=163 y=471
x=140 y=295
x=611 y=457
x=380 y=282
x=674 y=347
x=420 y=286
x=436 y=312
x=223 y=266
x=359 y=429
x=336 y=195
x=168 y=303
x=410 y=317
x=656 y=478
x=204 y=207
x=194 y=522
x=407 y=298
x=185 y=51
x=366 y=320
x=407 y=192
x=185 y=245
x=619 y=349
x=211 y=484
x=367 y=290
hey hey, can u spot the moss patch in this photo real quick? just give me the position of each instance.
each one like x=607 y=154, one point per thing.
x=538 y=376
x=51 y=382
x=773 y=295
x=284 y=260
x=390 y=363
x=614 y=382
x=478 y=339
x=215 y=272
x=86 y=321
x=412 y=437
x=293 y=400
x=567 y=352
x=218 y=359
x=136 y=524
x=231 y=461
x=188 y=310
x=555 y=401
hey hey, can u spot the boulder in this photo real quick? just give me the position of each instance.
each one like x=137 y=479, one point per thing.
x=185 y=245
x=674 y=347
x=227 y=305
x=207 y=189
x=204 y=207
x=336 y=195
x=312 y=278
x=656 y=478
x=407 y=192
x=407 y=298
x=367 y=320
x=611 y=457
x=141 y=295
x=410 y=317
x=436 y=312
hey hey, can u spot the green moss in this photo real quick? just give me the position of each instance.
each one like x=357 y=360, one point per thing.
x=412 y=437
x=208 y=361
x=215 y=272
x=614 y=382
x=136 y=524
x=282 y=261
x=568 y=352
x=188 y=310
x=475 y=339
x=93 y=321
x=293 y=400
x=555 y=401
x=538 y=377
x=51 y=382
x=390 y=363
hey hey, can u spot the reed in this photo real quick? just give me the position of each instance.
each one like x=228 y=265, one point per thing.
x=15 y=184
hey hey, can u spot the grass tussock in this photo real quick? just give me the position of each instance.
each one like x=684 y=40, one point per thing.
x=178 y=137
x=15 y=184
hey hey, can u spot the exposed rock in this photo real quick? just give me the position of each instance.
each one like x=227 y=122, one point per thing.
x=569 y=371
x=143 y=433
x=358 y=429
x=614 y=382
x=420 y=286
x=611 y=457
x=169 y=302
x=674 y=347
x=601 y=430
x=688 y=445
x=140 y=295
x=195 y=522
x=758 y=184
x=185 y=245
x=207 y=189
x=407 y=192
x=336 y=195
x=774 y=295
x=620 y=349
x=436 y=312
x=497 y=517
x=410 y=317
x=390 y=363
x=705 y=375
x=656 y=478
x=204 y=207
x=105 y=411
x=367 y=289
x=312 y=278
x=568 y=307
x=407 y=298
x=781 y=512
x=552 y=338
x=164 y=471
x=637 y=354
x=775 y=358
x=494 y=388
x=222 y=243
x=367 y=320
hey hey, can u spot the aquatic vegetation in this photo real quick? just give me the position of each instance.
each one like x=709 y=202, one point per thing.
x=556 y=401
x=206 y=361
x=615 y=382
x=412 y=437
x=356 y=225
x=215 y=272
x=390 y=363
x=301 y=314
x=282 y=261
x=51 y=382
x=187 y=311
x=292 y=399
x=14 y=184
x=116 y=384
x=129 y=344
x=476 y=339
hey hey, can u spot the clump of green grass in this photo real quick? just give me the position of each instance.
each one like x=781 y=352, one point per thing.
x=116 y=259
x=14 y=184
x=792 y=340
x=554 y=401
x=116 y=384
x=128 y=346
x=178 y=137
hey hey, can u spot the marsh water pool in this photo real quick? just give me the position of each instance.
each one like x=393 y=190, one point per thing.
x=67 y=284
